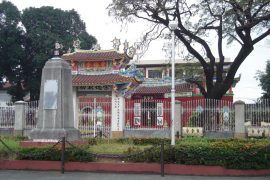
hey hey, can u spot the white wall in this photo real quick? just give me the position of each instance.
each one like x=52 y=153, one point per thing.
x=4 y=97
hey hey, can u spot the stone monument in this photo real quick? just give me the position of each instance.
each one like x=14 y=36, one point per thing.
x=55 y=114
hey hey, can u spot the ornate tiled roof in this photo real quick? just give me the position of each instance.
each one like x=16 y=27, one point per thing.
x=91 y=55
x=109 y=79
x=162 y=89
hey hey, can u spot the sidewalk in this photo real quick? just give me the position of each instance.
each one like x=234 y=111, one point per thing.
x=54 y=175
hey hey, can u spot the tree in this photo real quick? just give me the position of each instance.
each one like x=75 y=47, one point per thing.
x=11 y=47
x=264 y=78
x=243 y=21
x=27 y=42
x=44 y=27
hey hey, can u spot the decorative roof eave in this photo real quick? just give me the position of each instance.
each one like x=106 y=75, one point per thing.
x=107 y=79
x=91 y=55
x=141 y=89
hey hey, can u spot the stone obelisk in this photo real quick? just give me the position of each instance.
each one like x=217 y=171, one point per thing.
x=55 y=114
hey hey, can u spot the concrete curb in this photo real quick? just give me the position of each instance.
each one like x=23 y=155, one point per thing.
x=153 y=168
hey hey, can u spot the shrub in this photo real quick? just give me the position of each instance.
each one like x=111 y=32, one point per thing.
x=149 y=141
x=74 y=154
x=49 y=154
x=230 y=154
x=92 y=141
x=124 y=141
x=54 y=154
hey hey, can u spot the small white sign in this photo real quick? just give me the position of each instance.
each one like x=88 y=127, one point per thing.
x=50 y=94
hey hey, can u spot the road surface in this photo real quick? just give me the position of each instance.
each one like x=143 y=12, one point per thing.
x=55 y=175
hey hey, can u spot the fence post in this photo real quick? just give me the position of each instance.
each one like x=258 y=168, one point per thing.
x=239 y=109
x=162 y=157
x=19 y=123
x=177 y=122
x=63 y=149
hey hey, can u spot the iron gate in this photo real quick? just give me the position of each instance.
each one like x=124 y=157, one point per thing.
x=94 y=116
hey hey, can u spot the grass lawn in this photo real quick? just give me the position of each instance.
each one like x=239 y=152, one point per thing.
x=10 y=141
x=114 y=148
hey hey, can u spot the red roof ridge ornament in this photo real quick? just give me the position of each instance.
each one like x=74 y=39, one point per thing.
x=116 y=44
x=126 y=46
x=138 y=51
x=130 y=51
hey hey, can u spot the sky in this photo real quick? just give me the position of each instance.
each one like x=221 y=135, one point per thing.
x=105 y=28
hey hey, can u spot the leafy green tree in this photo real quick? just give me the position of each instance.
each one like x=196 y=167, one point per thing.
x=44 y=27
x=264 y=78
x=27 y=42
x=201 y=26
x=11 y=47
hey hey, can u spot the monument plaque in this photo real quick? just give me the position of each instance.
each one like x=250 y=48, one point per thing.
x=50 y=94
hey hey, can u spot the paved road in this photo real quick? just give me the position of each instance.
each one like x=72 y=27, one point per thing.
x=53 y=175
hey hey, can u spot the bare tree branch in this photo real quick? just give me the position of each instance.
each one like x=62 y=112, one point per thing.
x=265 y=34
x=260 y=8
x=235 y=38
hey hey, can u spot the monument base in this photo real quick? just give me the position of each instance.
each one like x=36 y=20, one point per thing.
x=71 y=134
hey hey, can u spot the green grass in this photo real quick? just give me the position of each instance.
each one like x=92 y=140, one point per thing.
x=10 y=141
x=114 y=148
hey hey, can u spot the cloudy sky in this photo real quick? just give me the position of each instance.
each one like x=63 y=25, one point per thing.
x=105 y=28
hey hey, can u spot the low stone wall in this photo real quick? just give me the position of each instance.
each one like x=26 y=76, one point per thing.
x=219 y=135
x=6 y=131
x=145 y=133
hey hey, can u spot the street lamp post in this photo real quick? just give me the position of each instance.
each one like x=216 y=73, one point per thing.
x=173 y=25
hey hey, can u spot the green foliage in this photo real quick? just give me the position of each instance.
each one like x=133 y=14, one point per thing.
x=16 y=138
x=264 y=78
x=54 y=154
x=124 y=141
x=11 y=141
x=230 y=153
x=235 y=154
x=92 y=141
x=27 y=42
x=11 y=45
x=44 y=27
x=149 y=141
x=81 y=155
x=49 y=154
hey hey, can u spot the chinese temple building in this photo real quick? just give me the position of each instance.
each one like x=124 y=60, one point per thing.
x=114 y=94
x=101 y=72
x=101 y=81
x=157 y=82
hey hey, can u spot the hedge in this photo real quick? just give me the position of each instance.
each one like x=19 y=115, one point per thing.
x=54 y=154
x=235 y=154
